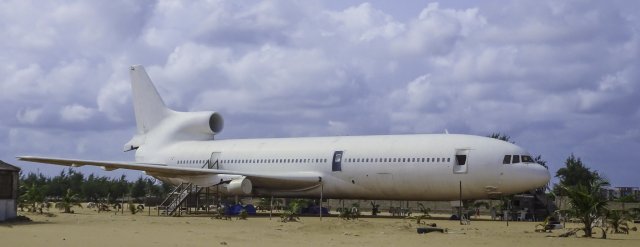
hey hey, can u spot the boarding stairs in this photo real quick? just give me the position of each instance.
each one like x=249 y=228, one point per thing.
x=544 y=200
x=178 y=197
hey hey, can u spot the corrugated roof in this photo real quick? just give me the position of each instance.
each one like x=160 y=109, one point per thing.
x=7 y=167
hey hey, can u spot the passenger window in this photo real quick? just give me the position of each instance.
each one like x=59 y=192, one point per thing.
x=516 y=159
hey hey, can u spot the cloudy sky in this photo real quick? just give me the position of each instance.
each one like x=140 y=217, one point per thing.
x=559 y=77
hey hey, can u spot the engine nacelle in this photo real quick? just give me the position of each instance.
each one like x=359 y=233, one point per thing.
x=231 y=184
x=192 y=125
x=202 y=122
x=216 y=123
x=240 y=186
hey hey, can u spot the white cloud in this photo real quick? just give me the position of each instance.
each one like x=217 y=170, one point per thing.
x=363 y=23
x=76 y=113
x=436 y=31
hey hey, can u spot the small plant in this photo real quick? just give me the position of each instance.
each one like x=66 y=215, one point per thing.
x=69 y=200
x=634 y=213
x=424 y=210
x=293 y=210
x=132 y=208
x=375 y=208
x=33 y=196
x=617 y=220
x=243 y=214
x=425 y=213
x=352 y=213
x=545 y=225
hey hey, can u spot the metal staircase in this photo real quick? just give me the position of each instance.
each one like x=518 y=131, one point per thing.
x=544 y=200
x=178 y=197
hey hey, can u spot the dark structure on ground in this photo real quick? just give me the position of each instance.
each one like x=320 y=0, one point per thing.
x=534 y=205
x=9 y=176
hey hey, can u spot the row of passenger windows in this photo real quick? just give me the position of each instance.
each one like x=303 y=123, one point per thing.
x=182 y=162
x=423 y=160
x=514 y=159
x=353 y=160
x=269 y=161
x=257 y=161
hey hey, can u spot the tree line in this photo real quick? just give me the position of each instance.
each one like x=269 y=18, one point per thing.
x=38 y=188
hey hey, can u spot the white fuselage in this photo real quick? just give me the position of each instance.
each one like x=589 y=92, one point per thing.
x=415 y=167
x=178 y=147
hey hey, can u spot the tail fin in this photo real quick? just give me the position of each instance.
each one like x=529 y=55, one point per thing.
x=147 y=104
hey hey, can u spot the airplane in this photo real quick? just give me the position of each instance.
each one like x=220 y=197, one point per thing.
x=179 y=147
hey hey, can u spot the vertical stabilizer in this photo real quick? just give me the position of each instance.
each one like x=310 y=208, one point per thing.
x=147 y=104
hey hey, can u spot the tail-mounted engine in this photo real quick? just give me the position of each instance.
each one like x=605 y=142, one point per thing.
x=196 y=126
x=209 y=123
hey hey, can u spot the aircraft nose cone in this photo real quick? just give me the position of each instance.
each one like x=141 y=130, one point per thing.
x=540 y=175
x=523 y=177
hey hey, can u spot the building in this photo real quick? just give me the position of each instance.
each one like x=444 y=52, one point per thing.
x=618 y=192
x=633 y=192
x=9 y=176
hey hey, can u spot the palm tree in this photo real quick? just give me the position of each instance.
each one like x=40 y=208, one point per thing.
x=33 y=195
x=425 y=213
x=635 y=213
x=69 y=200
x=586 y=203
x=292 y=212
x=618 y=221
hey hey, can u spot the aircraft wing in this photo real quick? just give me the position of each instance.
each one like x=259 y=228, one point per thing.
x=260 y=179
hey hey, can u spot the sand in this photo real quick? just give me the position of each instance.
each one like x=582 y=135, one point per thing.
x=90 y=228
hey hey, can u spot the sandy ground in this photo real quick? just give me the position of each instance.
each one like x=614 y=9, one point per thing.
x=90 y=228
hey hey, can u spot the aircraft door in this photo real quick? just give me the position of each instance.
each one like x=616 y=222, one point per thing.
x=461 y=161
x=214 y=162
x=336 y=162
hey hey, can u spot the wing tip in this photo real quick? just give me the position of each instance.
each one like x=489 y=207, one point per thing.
x=24 y=158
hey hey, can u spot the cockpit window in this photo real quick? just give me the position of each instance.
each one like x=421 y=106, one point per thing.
x=506 y=160
x=516 y=159
x=527 y=159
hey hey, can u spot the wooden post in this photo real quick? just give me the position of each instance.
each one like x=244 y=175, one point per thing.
x=460 y=204
x=270 y=207
x=321 y=189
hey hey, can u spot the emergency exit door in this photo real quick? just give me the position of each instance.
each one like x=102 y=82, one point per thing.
x=462 y=161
